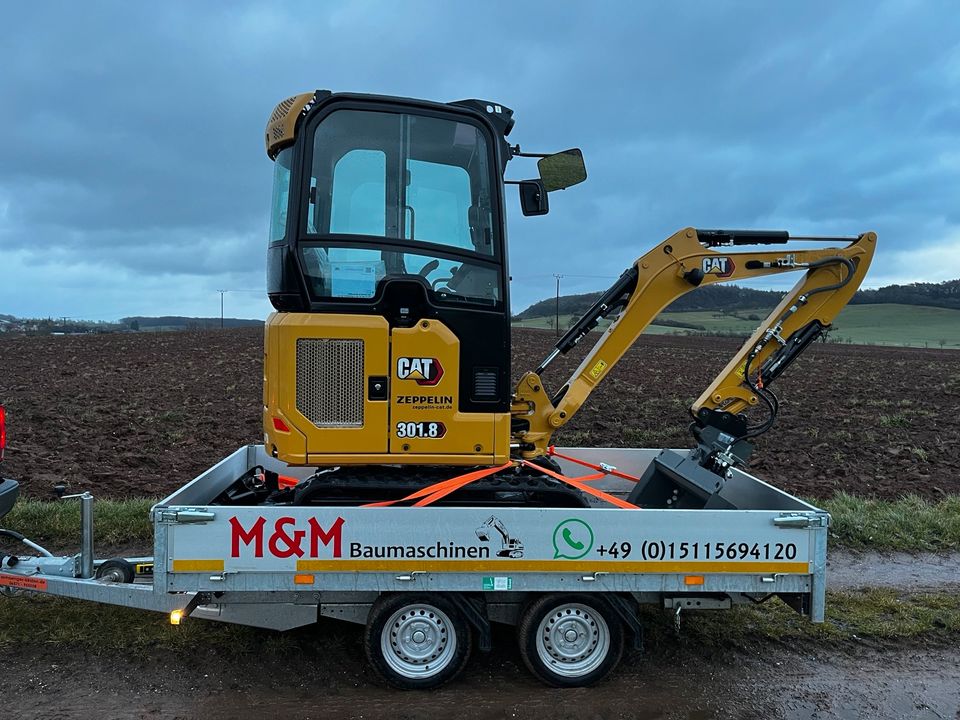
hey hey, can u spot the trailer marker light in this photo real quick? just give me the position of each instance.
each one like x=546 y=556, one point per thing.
x=176 y=616
x=280 y=425
x=693 y=579
x=303 y=579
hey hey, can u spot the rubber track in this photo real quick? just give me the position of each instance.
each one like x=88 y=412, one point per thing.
x=357 y=486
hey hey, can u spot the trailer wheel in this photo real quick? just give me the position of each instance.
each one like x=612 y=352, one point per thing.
x=570 y=640
x=116 y=570
x=416 y=640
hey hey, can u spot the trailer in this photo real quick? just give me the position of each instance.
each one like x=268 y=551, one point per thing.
x=428 y=582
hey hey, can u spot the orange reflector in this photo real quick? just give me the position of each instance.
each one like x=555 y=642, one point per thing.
x=280 y=425
x=303 y=579
x=693 y=579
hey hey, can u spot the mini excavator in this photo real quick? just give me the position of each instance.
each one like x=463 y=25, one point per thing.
x=387 y=361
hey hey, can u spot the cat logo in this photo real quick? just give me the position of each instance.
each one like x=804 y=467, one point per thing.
x=425 y=371
x=719 y=266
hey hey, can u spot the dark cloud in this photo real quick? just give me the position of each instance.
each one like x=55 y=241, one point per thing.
x=133 y=177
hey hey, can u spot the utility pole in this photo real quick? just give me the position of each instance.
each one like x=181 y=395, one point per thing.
x=557 y=313
x=221 y=307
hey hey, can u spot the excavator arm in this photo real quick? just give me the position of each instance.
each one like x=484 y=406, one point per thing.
x=686 y=260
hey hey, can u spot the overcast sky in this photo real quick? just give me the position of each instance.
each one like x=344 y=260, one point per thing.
x=133 y=178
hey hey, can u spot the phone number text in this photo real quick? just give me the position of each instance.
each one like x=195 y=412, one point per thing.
x=660 y=550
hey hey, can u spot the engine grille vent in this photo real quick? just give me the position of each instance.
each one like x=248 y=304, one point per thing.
x=330 y=387
x=485 y=383
x=281 y=110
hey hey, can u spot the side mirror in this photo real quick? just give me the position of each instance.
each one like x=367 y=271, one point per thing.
x=562 y=170
x=533 y=198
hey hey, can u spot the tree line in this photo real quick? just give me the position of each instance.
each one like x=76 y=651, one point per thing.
x=733 y=297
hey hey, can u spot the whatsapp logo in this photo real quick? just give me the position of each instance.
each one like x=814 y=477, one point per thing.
x=572 y=539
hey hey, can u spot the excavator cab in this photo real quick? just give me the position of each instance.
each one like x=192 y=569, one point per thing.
x=387 y=266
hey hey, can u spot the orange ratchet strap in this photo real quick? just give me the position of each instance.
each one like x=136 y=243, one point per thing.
x=581 y=484
x=432 y=493
x=608 y=470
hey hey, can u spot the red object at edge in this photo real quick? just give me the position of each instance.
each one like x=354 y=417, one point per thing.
x=3 y=430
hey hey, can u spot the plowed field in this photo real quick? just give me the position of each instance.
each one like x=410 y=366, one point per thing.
x=139 y=414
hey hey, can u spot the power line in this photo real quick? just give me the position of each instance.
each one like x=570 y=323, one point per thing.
x=557 y=323
x=594 y=277
x=222 y=293
x=525 y=278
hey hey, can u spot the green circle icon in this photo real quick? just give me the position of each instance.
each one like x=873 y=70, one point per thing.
x=572 y=539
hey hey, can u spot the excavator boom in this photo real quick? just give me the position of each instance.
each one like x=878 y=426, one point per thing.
x=686 y=260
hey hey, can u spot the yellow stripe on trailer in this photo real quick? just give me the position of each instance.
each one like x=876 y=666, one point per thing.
x=198 y=566
x=518 y=566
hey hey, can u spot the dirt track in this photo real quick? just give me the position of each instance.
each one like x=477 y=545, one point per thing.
x=128 y=415
x=769 y=683
x=915 y=572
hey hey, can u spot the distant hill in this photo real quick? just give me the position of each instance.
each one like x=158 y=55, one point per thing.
x=733 y=297
x=710 y=297
x=174 y=322
x=944 y=295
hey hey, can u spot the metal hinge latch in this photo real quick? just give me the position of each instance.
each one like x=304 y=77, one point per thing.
x=186 y=516
x=794 y=520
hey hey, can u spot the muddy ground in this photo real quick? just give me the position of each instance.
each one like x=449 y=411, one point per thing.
x=133 y=415
x=138 y=414
x=770 y=682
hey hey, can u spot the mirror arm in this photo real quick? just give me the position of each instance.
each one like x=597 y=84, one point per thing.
x=515 y=152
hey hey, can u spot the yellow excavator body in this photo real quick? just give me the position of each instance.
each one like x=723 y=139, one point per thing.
x=348 y=389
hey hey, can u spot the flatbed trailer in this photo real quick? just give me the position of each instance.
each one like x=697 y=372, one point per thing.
x=427 y=582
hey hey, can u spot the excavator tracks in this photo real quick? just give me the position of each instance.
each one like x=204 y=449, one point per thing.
x=353 y=486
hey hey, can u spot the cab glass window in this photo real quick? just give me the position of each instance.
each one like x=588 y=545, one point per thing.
x=408 y=177
x=345 y=272
x=358 y=205
x=425 y=181
x=281 y=195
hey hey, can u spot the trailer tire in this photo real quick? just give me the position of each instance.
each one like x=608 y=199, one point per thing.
x=570 y=639
x=416 y=641
x=116 y=570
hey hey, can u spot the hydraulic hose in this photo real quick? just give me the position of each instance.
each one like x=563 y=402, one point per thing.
x=768 y=397
x=613 y=299
x=833 y=260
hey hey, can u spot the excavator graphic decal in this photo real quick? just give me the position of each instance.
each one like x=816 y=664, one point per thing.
x=511 y=547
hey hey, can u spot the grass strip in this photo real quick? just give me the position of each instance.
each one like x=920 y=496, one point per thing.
x=910 y=524
x=871 y=615
x=116 y=522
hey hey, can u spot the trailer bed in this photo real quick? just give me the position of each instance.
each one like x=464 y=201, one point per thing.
x=282 y=566
x=773 y=544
